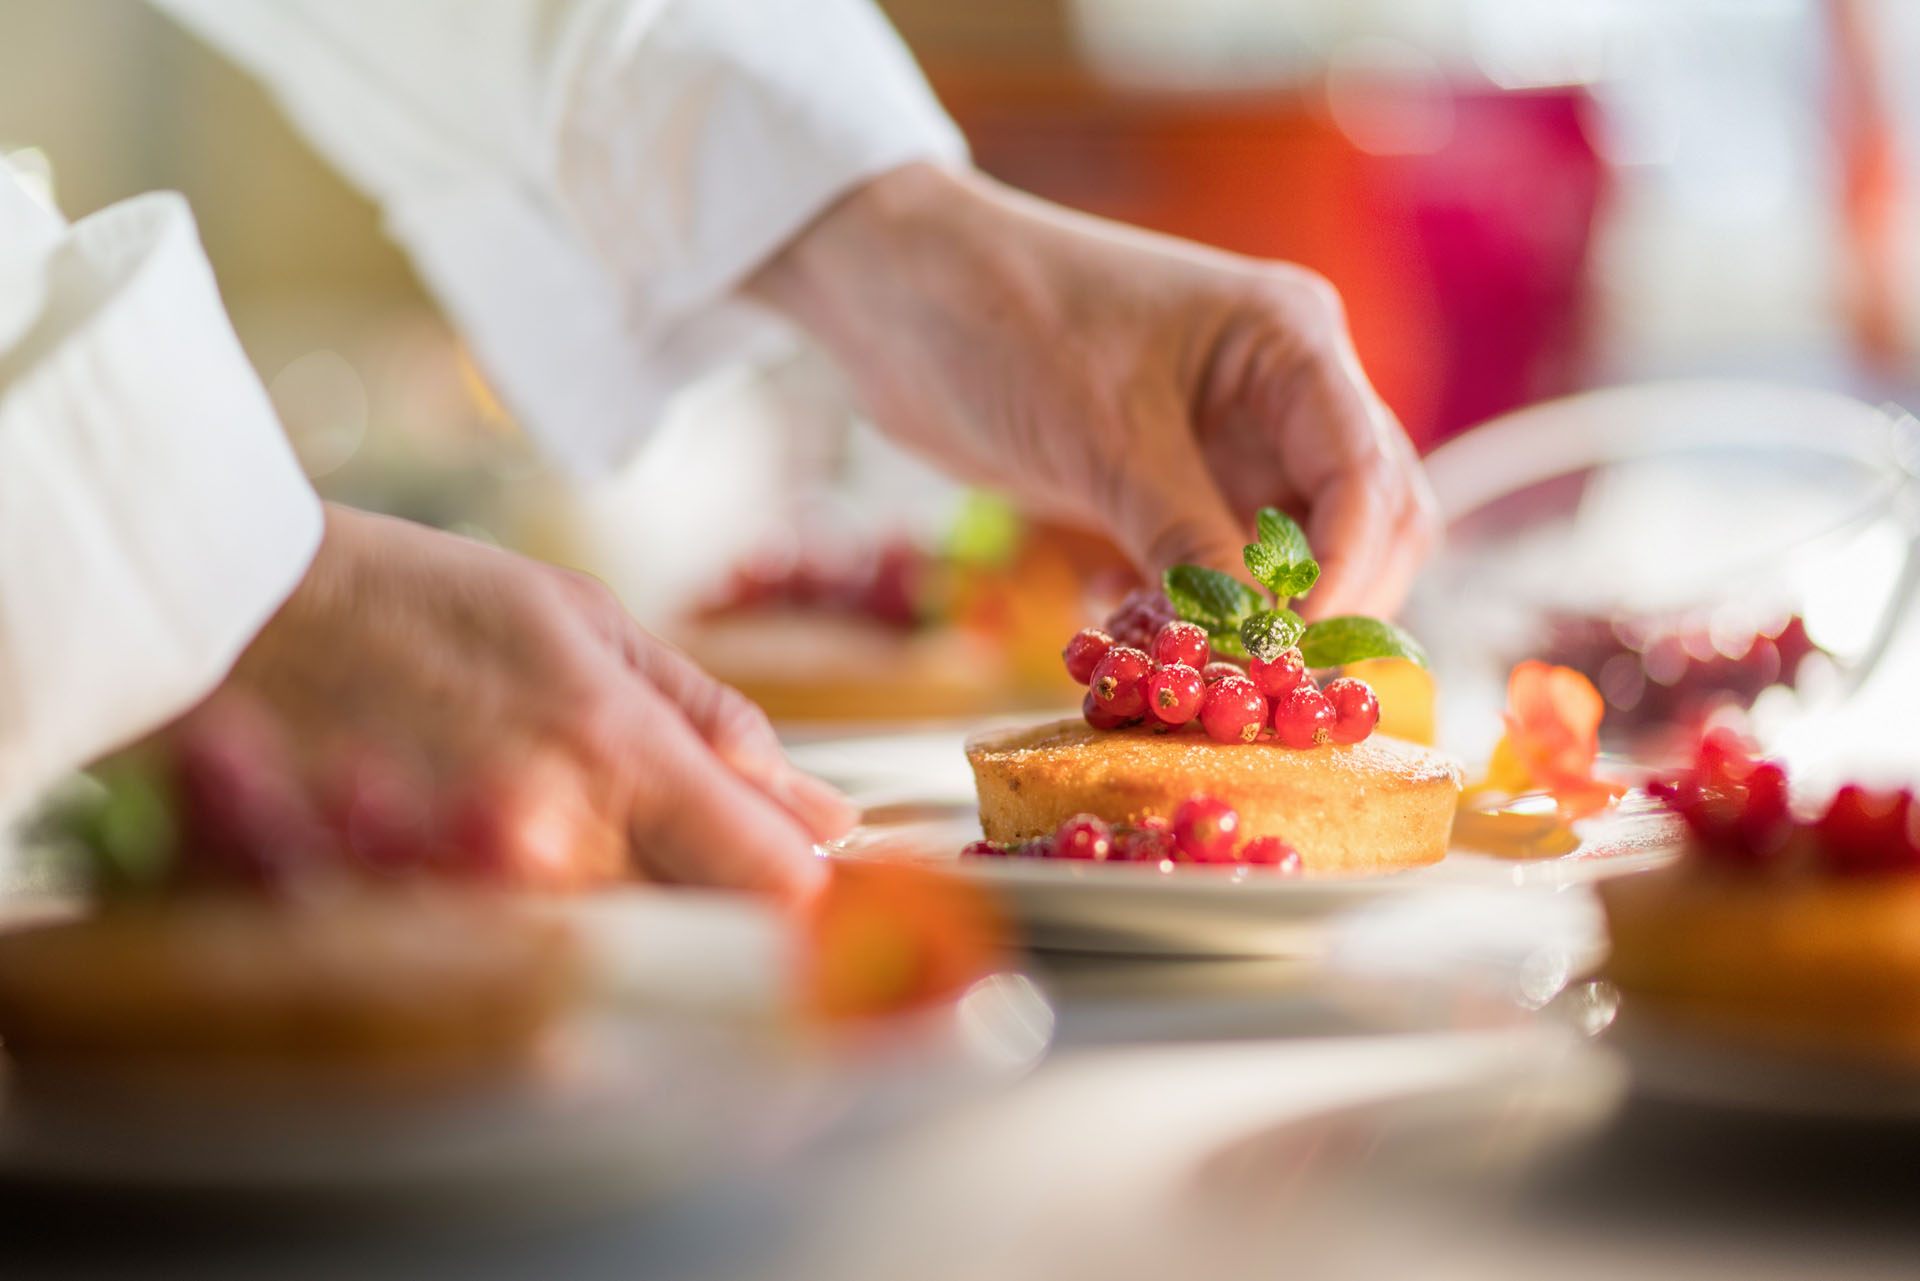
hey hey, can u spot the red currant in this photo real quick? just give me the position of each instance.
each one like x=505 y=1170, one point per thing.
x=983 y=849
x=1174 y=694
x=1219 y=670
x=1149 y=842
x=1181 y=643
x=1302 y=717
x=1234 y=711
x=1099 y=717
x=1032 y=847
x=1120 y=681
x=1271 y=851
x=1205 y=830
x=1355 y=709
x=1278 y=676
x=1083 y=836
x=1088 y=646
x=1864 y=833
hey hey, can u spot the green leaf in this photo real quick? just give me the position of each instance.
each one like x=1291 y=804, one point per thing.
x=1208 y=597
x=1335 y=642
x=1281 y=561
x=1271 y=632
x=1228 y=643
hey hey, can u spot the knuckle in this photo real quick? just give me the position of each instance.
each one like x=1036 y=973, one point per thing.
x=1311 y=301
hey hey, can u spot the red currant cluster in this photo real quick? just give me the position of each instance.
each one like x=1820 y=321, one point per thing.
x=1203 y=830
x=1738 y=810
x=1174 y=677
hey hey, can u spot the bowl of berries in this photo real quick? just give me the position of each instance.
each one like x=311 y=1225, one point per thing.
x=1701 y=550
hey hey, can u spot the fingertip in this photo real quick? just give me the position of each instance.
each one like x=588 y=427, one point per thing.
x=823 y=808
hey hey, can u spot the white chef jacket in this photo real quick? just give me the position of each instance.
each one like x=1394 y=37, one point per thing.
x=583 y=184
x=152 y=515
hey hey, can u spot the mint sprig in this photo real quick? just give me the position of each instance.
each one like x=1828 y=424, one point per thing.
x=1335 y=642
x=1271 y=633
x=1281 y=561
x=1242 y=624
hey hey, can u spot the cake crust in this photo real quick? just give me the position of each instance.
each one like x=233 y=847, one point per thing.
x=1825 y=966
x=1376 y=805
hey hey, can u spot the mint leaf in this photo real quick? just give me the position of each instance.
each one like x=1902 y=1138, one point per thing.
x=1271 y=632
x=1281 y=561
x=1227 y=643
x=1335 y=642
x=1208 y=597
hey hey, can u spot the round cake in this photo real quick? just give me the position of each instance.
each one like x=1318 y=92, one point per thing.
x=1371 y=806
x=1828 y=966
x=376 y=977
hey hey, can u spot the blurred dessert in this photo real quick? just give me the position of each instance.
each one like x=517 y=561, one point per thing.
x=1777 y=929
x=1201 y=714
x=415 y=976
x=234 y=921
x=899 y=632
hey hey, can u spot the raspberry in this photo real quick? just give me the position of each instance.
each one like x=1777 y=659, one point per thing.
x=1219 y=669
x=1100 y=718
x=1120 y=681
x=1302 y=717
x=1356 y=710
x=1083 y=837
x=1233 y=711
x=1140 y=617
x=1088 y=646
x=1205 y=830
x=1271 y=851
x=1174 y=694
x=983 y=849
x=1279 y=676
x=1181 y=643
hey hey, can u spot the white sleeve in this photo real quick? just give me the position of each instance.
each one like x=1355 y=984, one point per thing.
x=584 y=184
x=152 y=516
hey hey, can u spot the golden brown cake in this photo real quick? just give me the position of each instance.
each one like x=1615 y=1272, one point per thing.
x=1373 y=806
x=379 y=977
x=1824 y=965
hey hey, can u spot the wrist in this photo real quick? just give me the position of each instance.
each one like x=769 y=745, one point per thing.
x=832 y=268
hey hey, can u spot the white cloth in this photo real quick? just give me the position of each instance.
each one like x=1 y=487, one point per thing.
x=584 y=183
x=152 y=515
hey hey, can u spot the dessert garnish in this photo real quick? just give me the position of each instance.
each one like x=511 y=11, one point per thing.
x=1739 y=814
x=1541 y=776
x=1552 y=741
x=1204 y=829
x=221 y=805
x=1208 y=647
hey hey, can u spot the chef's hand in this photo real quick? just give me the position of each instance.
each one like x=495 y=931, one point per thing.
x=595 y=744
x=1145 y=386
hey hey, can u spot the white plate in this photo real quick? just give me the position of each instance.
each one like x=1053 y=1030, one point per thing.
x=1185 y=910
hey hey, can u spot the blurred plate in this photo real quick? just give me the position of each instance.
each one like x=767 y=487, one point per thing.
x=686 y=1067
x=1185 y=910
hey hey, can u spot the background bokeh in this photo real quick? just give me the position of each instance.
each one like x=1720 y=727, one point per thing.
x=1517 y=200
